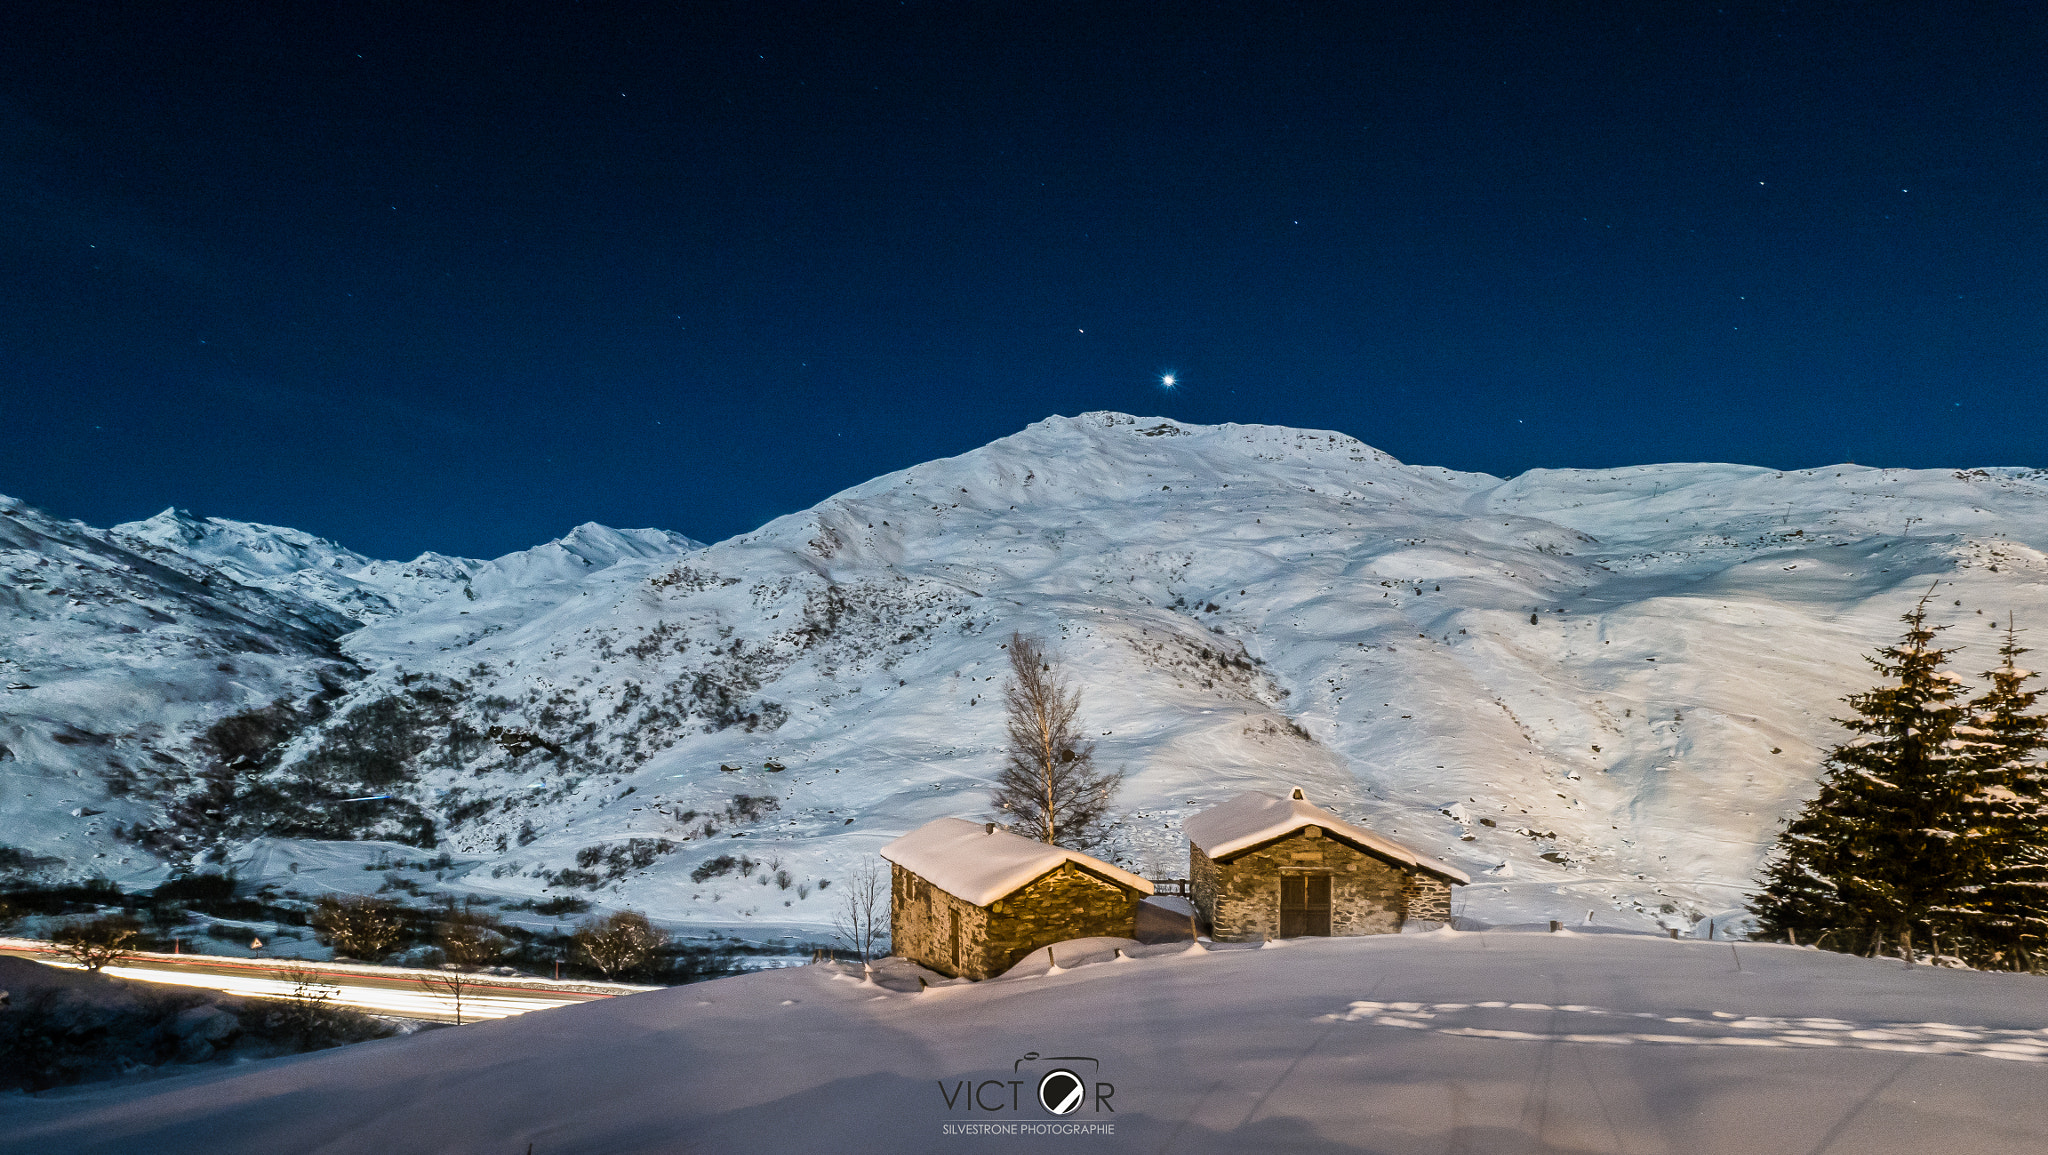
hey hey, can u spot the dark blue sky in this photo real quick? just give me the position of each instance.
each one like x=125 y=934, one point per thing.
x=460 y=276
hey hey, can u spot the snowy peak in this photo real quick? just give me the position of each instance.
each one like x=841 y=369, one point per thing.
x=585 y=550
x=248 y=549
x=366 y=589
x=293 y=563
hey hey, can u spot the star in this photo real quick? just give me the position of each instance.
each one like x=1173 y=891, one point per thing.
x=1166 y=380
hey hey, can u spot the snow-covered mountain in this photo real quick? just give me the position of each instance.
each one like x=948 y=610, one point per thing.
x=1596 y=690
x=288 y=561
x=120 y=650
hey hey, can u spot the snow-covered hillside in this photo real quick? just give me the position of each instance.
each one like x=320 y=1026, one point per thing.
x=1497 y=1042
x=1595 y=690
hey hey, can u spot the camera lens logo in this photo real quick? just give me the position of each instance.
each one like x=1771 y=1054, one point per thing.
x=1061 y=1091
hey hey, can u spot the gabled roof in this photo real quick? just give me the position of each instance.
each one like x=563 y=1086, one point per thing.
x=981 y=862
x=1255 y=818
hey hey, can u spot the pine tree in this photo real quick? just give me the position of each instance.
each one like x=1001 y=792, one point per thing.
x=2002 y=908
x=1875 y=854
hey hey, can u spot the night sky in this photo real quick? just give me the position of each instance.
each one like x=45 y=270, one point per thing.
x=458 y=277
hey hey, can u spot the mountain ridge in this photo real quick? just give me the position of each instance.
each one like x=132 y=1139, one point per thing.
x=1627 y=673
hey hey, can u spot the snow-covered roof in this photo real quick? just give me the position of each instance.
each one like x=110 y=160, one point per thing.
x=1254 y=817
x=980 y=863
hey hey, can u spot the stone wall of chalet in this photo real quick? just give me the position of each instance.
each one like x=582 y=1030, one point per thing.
x=1428 y=896
x=1204 y=883
x=1240 y=899
x=1064 y=903
x=921 y=921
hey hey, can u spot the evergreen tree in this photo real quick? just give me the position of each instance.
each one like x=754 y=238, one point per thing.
x=1874 y=855
x=2002 y=908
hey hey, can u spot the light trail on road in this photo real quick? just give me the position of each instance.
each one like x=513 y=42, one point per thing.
x=419 y=1004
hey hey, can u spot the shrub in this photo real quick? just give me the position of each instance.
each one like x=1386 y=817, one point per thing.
x=97 y=942
x=365 y=928
x=620 y=942
x=470 y=937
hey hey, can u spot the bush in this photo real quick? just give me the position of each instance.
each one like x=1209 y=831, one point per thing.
x=248 y=738
x=95 y=943
x=201 y=888
x=714 y=868
x=470 y=937
x=78 y=1028
x=364 y=928
x=308 y=1017
x=619 y=943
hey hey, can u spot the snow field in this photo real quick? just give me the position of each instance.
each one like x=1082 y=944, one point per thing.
x=1410 y=1043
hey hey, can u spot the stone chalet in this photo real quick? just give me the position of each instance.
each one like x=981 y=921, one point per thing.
x=1262 y=867
x=969 y=899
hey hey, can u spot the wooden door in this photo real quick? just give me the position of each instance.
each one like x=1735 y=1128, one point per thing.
x=955 y=940
x=1304 y=905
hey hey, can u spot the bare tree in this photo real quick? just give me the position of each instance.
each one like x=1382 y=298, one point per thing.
x=619 y=942
x=1049 y=782
x=452 y=983
x=862 y=920
x=99 y=942
x=308 y=1012
x=364 y=928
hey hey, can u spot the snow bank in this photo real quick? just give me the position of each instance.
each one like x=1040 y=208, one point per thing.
x=1395 y=1044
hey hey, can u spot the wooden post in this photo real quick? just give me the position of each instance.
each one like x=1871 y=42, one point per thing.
x=1555 y=926
x=1673 y=930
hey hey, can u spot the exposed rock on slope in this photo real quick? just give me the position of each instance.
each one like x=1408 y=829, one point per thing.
x=1593 y=689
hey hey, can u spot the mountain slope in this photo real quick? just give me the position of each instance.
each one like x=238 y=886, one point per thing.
x=1594 y=689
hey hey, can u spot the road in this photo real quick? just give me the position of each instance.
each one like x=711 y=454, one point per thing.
x=406 y=993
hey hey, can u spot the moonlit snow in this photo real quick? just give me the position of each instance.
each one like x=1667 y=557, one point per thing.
x=1475 y=1042
x=1594 y=691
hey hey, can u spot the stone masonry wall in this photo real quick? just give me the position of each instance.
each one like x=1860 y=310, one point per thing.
x=1366 y=893
x=1065 y=903
x=1203 y=885
x=921 y=928
x=1429 y=897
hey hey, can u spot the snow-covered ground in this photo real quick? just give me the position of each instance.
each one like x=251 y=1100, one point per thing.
x=1595 y=691
x=1488 y=1042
